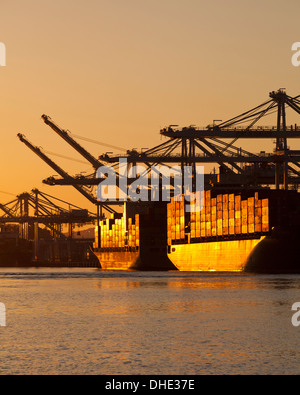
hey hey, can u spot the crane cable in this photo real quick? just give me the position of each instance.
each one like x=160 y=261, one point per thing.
x=97 y=142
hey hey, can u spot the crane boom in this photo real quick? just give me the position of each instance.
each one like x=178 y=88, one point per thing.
x=60 y=171
x=66 y=136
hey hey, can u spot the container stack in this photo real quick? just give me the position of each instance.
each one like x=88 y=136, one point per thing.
x=114 y=234
x=251 y=202
x=244 y=205
x=258 y=215
x=134 y=231
x=238 y=215
x=225 y=215
x=207 y=209
x=176 y=221
x=231 y=214
x=214 y=217
x=222 y=216
x=265 y=215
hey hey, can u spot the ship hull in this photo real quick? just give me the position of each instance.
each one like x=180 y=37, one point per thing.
x=116 y=260
x=276 y=254
x=218 y=256
x=142 y=260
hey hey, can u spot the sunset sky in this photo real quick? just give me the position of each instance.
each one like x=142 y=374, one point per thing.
x=117 y=71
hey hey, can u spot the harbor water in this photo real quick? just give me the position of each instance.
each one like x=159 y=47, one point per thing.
x=88 y=321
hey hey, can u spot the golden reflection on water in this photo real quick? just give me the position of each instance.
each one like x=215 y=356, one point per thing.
x=198 y=281
x=147 y=323
x=169 y=295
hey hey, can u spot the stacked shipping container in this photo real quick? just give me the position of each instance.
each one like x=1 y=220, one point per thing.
x=222 y=216
x=119 y=233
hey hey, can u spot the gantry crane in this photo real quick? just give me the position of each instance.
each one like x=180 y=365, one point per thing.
x=32 y=209
x=80 y=188
x=64 y=134
x=204 y=145
x=191 y=145
x=40 y=207
x=57 y=168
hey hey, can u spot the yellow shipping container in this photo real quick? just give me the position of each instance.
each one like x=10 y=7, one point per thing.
x=265 y=211
x=244 y=204
x=231 y=206
x=237 y=214
x=265 y=219
x=257 y=219
x=258 y=212
x=251 y=210
x=244 y=229
x=251 y=202
x=258 y=204
x=265 y=227
x=220 y=207
x=238 y=229
x=207 y=195
x=257 y=228
x=250 y=219
x=251 y=228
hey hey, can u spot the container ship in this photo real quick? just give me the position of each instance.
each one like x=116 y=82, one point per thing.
x=240 y=231
x=235 y=232
x=241 y=224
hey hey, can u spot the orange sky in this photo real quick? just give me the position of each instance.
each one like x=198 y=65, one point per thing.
x=119 y=70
